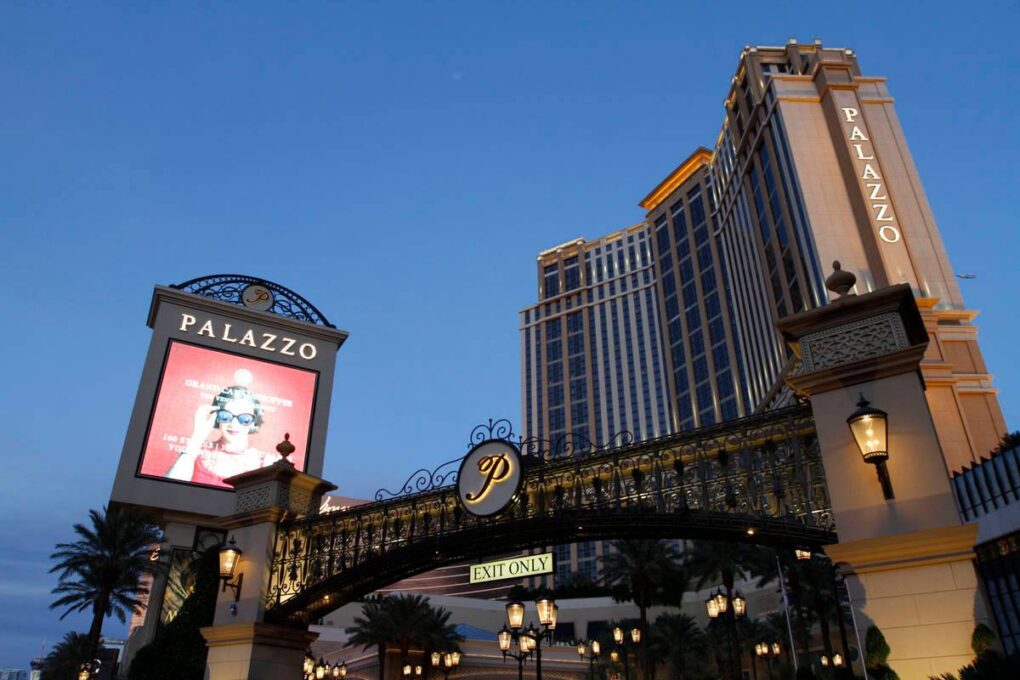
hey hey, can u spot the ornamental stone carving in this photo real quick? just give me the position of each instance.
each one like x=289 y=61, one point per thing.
x=864 y=339
x=255 y=498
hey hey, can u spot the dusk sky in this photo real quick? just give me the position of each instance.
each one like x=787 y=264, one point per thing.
x=400 y=165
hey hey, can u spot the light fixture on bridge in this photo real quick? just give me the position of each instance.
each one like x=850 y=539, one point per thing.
x=515 y=614
x=802 y=554
x=230 y=555
x=870 y=427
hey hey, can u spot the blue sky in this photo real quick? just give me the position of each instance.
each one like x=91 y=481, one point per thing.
x=400 y=165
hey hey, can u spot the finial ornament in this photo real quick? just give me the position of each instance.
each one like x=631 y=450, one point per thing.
x=839 y=281
x=285 y=448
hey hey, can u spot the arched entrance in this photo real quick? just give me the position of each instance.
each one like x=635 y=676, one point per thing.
x=759 y=479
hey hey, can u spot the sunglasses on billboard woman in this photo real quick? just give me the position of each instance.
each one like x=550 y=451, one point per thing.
x=224 y=416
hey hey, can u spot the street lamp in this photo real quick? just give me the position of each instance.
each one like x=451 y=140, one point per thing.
x=230 y=555
x=505 y=637
x=619 y=638
x=870 y=427
x=766 y=651
x=595 y=649
x=802 y=555
x=531 y=640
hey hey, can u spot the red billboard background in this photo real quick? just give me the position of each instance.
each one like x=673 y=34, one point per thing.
x=197 y=385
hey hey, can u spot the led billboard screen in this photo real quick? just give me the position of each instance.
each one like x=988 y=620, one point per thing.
x=219 y=414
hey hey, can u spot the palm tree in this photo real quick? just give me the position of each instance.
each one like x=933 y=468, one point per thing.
x=373 y=629
x=646 y=572
x=677 y=640
x=65 y=659
x=409 y=618
x=102 y=571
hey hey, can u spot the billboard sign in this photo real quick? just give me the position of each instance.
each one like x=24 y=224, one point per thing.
x=224 y=381
x=218 y=414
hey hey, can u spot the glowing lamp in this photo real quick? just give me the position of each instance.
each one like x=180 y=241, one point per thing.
x=775 y=648
x=343 y=669
x=713 y=607
x=759 y=649
x=456 y=658
x=515 y=614
x=837 y=660
x=437 y=658
x=407 y=670
x=596 y=647
x=448 y=660
x=869 y=426
x=825 y=661
x=555 y=616
x=614 y=656
x=504 y=636
x=618 y=635
x=721 y=601
x=802 y=554
x=320 y=669
x=230 y=555
x=635 y=635
x=545 y=611
x=581 y=649
x=739 y=605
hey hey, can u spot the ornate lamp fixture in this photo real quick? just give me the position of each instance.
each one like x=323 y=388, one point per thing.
x=869 y=426
x=802 y=554
x=230 y=555
x=515 y=615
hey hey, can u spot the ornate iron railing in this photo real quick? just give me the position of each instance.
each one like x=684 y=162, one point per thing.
x=761 y=475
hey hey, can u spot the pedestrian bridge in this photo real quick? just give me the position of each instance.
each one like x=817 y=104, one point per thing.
x=759 y=479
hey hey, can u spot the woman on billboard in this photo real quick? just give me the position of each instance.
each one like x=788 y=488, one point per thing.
x=236 y=414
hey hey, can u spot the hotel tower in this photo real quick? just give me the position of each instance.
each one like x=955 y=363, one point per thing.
x=669 y=324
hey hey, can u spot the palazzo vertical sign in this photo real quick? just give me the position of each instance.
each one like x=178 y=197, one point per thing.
x=868 y=172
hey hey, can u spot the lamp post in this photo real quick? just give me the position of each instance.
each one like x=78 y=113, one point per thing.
x=547 y=615
x=446 y=662
x=719 y=604
x=505 y=638
x=620 y=639
x=767 y=651
x=870 y=428
x=596 y=648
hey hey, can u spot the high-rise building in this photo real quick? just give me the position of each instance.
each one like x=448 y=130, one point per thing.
x=811 y=166
x=669 y=324
x=591 y=349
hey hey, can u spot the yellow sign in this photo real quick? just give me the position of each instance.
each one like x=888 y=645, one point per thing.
x=513 y=567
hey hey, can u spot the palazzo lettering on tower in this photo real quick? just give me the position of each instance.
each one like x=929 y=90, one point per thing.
x=869 y=172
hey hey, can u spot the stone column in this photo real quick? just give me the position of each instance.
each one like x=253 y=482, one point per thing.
x=907 y=559
x=241 y=645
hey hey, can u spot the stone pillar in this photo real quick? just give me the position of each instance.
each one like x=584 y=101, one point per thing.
x=241 y=645
x=908 y=559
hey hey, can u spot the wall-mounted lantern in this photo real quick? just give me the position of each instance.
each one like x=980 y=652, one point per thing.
x=870 y=427
x=230 y=555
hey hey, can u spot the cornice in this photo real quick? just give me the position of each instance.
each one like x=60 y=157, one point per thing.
x=927 y=547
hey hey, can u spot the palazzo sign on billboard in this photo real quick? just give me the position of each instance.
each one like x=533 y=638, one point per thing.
x=224 y=382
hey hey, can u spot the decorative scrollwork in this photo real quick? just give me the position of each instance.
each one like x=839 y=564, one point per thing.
x=229 y=287
x=424 y=480
x=495 y=429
